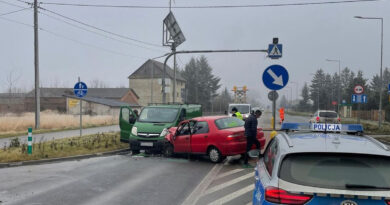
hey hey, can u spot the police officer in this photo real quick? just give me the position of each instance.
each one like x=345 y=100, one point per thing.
x=237 y=114
x=251 y=134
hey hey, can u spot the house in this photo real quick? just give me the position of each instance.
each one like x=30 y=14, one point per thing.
x=146 y=82
x=55 y=98
x=96 y=105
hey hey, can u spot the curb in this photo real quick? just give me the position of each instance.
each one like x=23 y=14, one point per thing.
x=77 y=157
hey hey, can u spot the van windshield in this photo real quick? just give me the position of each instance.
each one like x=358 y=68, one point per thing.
x=158 y=114
x=243 y=109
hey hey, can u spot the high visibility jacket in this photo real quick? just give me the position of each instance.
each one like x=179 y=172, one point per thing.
x=238 y=115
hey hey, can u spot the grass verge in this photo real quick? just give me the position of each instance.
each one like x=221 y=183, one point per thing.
x=67 y=147
x=41 y=131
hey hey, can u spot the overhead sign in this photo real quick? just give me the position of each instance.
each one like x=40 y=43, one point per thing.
x=275 y=77
x=174 y=29
x=275 y=51
x=359 y=98
x=358 y=89
x=80 y=89
x=273 y=95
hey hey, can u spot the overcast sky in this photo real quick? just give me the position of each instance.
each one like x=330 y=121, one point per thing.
x=309 y=34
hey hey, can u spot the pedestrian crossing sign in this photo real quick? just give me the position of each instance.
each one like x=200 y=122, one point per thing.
x=275 y=51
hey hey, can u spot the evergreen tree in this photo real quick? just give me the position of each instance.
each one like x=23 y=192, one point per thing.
x=304 y=102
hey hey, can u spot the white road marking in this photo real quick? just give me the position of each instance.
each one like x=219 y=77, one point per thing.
x=202 y=186
x=233 y=195
x=229 y=173
x=226 y=184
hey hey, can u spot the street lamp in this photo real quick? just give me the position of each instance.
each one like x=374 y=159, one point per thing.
x=338 y=85
x=381 y=79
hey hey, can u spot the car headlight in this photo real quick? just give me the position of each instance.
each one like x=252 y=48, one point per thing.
x=134 y=131
x=164 y=132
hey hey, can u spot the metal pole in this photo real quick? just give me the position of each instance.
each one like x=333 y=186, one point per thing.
x=81 y=114
x=273 y=111
x=381 y=83
x=151 y=85
x=198 y=51
x=36 y=64
x=174 y=75
x=339 y=90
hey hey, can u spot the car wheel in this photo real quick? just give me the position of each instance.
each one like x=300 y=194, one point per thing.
x=168 y=150
x=215 y=155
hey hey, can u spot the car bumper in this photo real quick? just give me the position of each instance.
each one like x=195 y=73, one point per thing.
x=235 y=148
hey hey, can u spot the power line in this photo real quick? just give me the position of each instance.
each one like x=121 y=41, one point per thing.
x=206 y=7
x=102 y=30
x=11 y=12
x=11 y=4
x=73 y=40
x=96 y=33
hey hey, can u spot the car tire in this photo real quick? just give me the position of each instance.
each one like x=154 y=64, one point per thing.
x=215 y=155
x=168 y=150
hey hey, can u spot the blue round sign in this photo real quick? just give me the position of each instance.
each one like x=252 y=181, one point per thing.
x=275 y=77
x=80 y=89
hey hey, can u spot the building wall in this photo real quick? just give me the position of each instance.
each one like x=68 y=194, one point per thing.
x=12 y=105
x=143 y=89
x=89 y=108
x=53 y=103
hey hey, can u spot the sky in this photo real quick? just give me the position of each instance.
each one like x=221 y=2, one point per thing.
x=309 y=34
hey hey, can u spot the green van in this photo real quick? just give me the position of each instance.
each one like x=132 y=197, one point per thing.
x=146 y=131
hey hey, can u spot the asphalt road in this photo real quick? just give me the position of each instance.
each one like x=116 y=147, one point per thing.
x=118 y=179
x=265 y=119
x=63 y=134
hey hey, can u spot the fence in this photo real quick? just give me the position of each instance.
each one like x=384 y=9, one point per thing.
x=369 y=114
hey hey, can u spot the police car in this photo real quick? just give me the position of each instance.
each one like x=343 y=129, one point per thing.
x=332 y=164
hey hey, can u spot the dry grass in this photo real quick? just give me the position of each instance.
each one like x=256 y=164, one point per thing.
x=63 y=147
x=50 y=120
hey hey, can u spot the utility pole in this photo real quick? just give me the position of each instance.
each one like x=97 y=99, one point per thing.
x=36 y=64
x=174 y=74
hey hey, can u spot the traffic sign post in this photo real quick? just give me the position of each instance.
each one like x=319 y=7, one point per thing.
x=358 y=89
x=80 y=90
x=275 y=77
x=358 y=98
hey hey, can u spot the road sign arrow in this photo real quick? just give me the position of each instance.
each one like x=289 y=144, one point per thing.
x=278 y=80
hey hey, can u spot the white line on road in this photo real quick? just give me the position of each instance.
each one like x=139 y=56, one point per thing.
x=229 y=173
x=233 y=195
x=202 y=186
x=231 y=182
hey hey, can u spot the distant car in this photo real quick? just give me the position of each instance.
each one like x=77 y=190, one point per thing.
x=215 y=136
x=325 y=116
x=340 y=166
x=244 y=109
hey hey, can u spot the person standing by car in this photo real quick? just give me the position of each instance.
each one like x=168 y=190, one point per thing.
x=237 y=114
x=251 y=133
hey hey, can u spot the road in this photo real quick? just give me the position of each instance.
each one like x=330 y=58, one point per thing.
x=118 y=179
x=63 y=134
x=265 y=119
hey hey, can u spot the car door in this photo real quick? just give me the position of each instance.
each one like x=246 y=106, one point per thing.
x=199 y=137
x=182 y=138
x=127 y=119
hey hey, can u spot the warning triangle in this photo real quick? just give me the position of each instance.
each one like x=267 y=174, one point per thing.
x=275 y=51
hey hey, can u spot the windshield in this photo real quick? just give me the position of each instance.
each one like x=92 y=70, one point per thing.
x=229 y=122
x=158 y=115
x=243 y=109
x=336 y=171
x=328 y=114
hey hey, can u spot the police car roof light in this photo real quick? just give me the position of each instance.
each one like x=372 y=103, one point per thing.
x=349 y=128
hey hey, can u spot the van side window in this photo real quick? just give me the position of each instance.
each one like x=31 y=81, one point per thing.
x=125 y=114
x=270 y=156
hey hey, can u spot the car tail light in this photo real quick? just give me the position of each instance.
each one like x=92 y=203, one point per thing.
x=338 y=119
x=318 y=119
x=280 y=196
x=234 y=136
x=387 y=202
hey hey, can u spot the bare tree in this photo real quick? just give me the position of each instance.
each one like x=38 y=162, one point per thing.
x=96 y=83
x=11 y=80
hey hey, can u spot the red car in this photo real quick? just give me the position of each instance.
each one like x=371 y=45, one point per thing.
x=215 y=136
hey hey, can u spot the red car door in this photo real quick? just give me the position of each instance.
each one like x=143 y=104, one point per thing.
x=182 y=138
x=199 y=137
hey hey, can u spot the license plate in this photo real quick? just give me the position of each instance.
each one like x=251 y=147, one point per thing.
x=147 y=144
